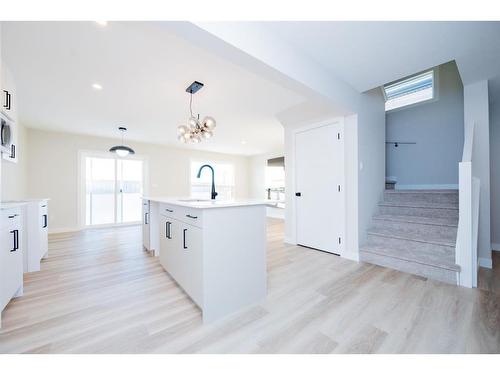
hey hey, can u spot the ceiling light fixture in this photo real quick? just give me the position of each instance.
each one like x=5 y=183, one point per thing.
x=122 y=150
x=96 y=86
x=102 y=23
x=195 y=130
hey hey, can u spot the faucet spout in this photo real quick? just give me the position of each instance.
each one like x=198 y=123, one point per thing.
x=214 y=193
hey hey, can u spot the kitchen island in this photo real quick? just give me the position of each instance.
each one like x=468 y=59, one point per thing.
x=215 y=250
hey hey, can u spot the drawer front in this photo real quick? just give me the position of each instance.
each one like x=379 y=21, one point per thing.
x=43 y=218
x=11 y=219
x=192 y=216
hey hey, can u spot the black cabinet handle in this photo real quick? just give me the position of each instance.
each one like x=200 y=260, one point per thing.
x=168 y=231
x=12 y=151
x=192 y=217
x=184 y=238
x=6 y=104
x=298 y=194
x=169 y=210
x=146 y=218
x=8 y=100
x=15 y=232
x=45 y=221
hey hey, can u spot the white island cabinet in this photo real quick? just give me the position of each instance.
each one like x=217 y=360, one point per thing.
x=11 y=253
x=215 y=251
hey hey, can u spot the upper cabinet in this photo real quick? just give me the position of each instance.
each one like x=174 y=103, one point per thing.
x=9 y=111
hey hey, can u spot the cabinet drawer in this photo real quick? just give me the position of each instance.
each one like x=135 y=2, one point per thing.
x=11 y=219
x=192 y=216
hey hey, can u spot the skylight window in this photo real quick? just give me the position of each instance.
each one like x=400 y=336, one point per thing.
x=409 y=91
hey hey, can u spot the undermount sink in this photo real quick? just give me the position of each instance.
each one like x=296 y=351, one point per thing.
x=194 y=200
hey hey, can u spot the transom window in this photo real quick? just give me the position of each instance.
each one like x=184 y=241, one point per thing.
x=409 y=91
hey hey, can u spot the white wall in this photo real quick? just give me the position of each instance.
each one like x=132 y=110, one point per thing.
x=371 y=157
x=52 y=170
x=495 y=173
x=476 y=110
x=437 y=127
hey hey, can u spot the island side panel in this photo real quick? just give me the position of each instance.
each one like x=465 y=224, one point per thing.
x=154 y=226
x=234 y=259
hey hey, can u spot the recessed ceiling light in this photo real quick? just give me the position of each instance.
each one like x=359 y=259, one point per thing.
x=102 y=23
x=243 y=142
x=96 y=86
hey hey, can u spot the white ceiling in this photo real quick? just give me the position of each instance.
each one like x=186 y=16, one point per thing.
x=144 y=70
x=369 y=54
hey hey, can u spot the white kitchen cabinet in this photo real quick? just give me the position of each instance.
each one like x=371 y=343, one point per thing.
x=11 y=255
x=146 y=225
x=9 y=109
x=181 y=255
x=191 y=260
x=36 y=234
x=150 y=227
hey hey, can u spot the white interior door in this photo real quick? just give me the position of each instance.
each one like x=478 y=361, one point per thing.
x=319 y=188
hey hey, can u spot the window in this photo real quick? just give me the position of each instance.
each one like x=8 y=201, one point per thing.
x=224 y=180
x=409 y=91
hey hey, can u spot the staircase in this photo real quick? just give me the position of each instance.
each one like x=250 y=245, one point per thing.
x=415 y=231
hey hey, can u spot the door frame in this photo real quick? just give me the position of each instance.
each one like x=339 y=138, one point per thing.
x=82 y=154
x=333 y=121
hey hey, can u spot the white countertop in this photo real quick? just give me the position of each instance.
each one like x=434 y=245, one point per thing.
x=192 y=203
x=8 y=205
x=11 y=204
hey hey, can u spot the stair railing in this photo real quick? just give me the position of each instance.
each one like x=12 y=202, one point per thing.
x=468 y=216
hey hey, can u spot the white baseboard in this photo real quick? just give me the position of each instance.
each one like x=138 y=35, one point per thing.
x=485 y=263
x=427 y=187
x=64 y=230
x=495 y=246
x=351 y=256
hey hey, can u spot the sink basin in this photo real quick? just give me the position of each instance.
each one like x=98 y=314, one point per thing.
x=194 y=200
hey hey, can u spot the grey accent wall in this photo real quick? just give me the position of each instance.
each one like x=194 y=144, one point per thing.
x=495 y=173
x=437 y=127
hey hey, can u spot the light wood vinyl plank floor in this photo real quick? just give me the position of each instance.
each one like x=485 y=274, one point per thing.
x=99 y=292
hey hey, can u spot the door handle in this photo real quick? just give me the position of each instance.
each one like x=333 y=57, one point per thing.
x=146 y=218
x=45 y=221
x=12 y=151
x=184 y=238
x=298 y=194
x=192 y=217
x=169 y=210
x=8 y=100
